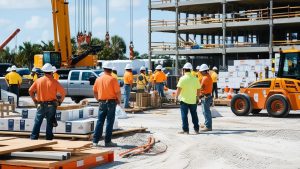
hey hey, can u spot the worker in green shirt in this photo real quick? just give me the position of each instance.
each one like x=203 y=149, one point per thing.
x=188 y=89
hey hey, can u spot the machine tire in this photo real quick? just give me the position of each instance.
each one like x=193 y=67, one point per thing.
x=278 y=106
x=76 y=99
x=241 y=105
x=256 y=111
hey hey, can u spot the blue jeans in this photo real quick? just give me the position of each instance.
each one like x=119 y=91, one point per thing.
x=127 y=89
x=106 y=110
x=184 y=107
x=206 y=102
x=48 y=111
x=160 y=89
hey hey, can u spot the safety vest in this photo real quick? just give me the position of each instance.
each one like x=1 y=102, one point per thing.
x=141 y=81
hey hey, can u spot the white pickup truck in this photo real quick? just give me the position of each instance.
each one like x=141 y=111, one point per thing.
x=79 y=84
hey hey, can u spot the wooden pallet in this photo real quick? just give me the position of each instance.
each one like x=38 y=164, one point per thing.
x=82 y=160
x=74 y=136
x=221 y=102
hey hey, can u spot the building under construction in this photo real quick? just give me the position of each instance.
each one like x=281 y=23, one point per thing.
x=219 y=31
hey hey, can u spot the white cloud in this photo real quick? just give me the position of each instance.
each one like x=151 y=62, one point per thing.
x=123 y=4
x=4 y=22
x=36 y=22
x=25 y=4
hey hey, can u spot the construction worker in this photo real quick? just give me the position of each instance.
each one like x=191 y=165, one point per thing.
x=188 y=88
x=107 y=91
x=214 y=77
x=197 y=71
x=150 y=79
x=114 y=73
x=159 y=79
x=55 y=74
x=205 y=96
x=14 y=81
x=128 y=81
x=141 y=81
x=47 y=94
x=194 y=73
x=33 y=74
x=199 y=75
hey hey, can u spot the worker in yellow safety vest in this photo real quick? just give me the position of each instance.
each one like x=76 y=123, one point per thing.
x=55 y=74
x=14 y=81
x=33 y=74
x=195 y=73
x=150 y=79
x=114 y=73
x=214 y=77
x=141 y=81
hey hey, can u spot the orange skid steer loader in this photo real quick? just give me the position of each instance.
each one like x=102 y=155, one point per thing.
x=278 y=95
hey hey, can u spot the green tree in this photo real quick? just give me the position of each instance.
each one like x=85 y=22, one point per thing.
x=27 y=52
x=118 y=47
x=6 y=56
x=47 y=46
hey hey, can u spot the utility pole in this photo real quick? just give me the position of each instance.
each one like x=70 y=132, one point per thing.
x=149 y=35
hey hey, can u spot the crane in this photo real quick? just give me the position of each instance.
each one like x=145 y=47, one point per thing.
x=62 y=56
x=9 y=39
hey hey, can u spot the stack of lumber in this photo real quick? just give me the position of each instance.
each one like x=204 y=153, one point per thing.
x=50 y=154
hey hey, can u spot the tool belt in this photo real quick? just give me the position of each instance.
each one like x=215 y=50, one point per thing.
x=107 y=101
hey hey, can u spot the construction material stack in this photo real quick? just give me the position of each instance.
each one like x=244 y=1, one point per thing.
x=245 y=72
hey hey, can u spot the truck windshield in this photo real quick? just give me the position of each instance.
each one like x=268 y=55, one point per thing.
x=291 y=66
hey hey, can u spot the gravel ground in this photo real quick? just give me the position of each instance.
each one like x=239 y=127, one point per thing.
x=252 y=142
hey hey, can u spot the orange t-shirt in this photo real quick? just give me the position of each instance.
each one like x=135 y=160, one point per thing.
x=160 y=77
x=107 y=87
x=46 y=89
x=206 y=85
x=128 y=78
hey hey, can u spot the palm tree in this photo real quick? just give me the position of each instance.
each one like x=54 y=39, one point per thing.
x=118 y=47
x=47 y=46
x=27 y=52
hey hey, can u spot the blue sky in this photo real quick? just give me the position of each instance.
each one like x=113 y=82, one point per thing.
x=34 y=18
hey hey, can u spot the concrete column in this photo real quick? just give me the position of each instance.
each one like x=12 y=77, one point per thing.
x=271 y=31
x=177 y=41
x=149 y=34
x=224 y=33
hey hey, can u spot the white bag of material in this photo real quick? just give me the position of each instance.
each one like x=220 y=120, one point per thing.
x=120 y=114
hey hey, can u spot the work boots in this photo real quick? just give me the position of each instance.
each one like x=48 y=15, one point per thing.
x=111 y=144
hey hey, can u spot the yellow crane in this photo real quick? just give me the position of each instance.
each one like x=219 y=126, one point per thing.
x=62 y=57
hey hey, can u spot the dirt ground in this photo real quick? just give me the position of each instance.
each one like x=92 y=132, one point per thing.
x=235 y=142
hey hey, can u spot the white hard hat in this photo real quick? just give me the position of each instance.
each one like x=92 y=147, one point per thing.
x=13 y=68
x=188 y=66
x=128 y=66
x=198 y=68
x=158 y=67
x=203 y=67
x=142 y=68
x=33 y=69
x=8 y=69
x=106 y=66
x=114 y=68
x=47 y=68
x=54 y=69
x=215 y=68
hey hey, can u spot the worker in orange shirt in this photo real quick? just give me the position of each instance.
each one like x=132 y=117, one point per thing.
x=128 y=81
x=107 y=91
x=55 y=74
x=14 y=81
x=214 y=77
x=47 y=93
x=159 y=79
x=205 y=96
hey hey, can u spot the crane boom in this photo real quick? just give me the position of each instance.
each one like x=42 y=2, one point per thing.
x=9 y=39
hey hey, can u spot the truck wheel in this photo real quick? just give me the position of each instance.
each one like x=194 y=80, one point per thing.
x=256 y=111
x=278 y=106
x=241 y=105
x=76 y=99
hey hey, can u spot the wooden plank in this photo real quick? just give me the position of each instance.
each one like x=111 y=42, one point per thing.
x=64 y=145
x=120 y=132
x=88 y=158
x=8 y=146
x=7 y=138
x=221 y=102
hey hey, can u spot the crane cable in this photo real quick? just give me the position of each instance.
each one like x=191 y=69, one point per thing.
x=107 y=36
x=131 y=51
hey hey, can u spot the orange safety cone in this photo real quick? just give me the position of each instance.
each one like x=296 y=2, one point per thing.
x=226 y=90
x=229 y=95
